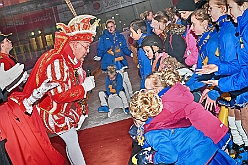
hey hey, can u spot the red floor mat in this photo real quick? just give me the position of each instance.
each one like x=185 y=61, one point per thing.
x=108 y=144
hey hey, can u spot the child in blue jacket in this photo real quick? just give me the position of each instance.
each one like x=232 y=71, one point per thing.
x=138 y=31
x=208 y=48
x=114 y=88
x=112 y=50
x=169 y=138
x=237 y=81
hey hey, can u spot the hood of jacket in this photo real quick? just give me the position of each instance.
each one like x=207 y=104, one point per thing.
x=173 y=115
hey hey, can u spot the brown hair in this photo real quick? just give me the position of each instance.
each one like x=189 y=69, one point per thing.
x=164 y=78
x=138 y=24
x=201 y=15
x=221 y=3
x=144 y=105
x=144 y=15
x=162 y=19
x=240 y=2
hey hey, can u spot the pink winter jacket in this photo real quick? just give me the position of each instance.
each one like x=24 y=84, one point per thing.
x=191 y=52
x=179 y=98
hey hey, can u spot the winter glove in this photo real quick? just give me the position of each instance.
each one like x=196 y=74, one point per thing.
x=89 y=83
x=96 y=58
x=38 y=93
x=8 y=76
x=145 y=156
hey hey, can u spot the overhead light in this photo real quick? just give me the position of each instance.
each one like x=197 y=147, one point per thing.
x=39 y=31
x=117 y=14
x=113 y=17
x=32 y=33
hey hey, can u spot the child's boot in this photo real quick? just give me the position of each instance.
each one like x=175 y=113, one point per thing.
x=103 y=109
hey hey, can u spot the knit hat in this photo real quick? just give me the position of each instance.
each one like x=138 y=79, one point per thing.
x=185 y=5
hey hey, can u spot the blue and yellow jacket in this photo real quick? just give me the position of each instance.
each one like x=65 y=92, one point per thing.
x=228 y=63
x=106 y=50
x=114 y=86
x=239 y=80
x=208 y=54
x=145 y=65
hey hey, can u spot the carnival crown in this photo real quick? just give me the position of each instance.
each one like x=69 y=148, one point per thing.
x=80 y=28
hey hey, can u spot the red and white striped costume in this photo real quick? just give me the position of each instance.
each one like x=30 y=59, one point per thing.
x=63 y=106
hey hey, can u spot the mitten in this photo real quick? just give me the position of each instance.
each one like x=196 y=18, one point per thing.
x=145 y=156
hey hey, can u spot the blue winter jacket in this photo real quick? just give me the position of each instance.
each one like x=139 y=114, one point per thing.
x=173 y=138
x=106 y=43
x=208 y=54
x=148 y=27
x=239 y=80
x=228 y=63
x=114 y=84
x=180 y=146
x=145 y=65
x=228 y=43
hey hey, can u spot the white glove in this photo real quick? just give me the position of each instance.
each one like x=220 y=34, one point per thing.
x=8 y=76
x=97 y=58
x=89 y=83
x=39 y=92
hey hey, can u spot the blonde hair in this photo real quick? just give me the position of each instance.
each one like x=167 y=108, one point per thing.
x=144 y=105
x=110 y=21
x=164 y=78
x=111 y=69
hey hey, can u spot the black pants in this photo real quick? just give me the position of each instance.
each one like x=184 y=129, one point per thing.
x=4 y=157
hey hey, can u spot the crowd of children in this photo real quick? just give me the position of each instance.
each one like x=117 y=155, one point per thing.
x=192 y=66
